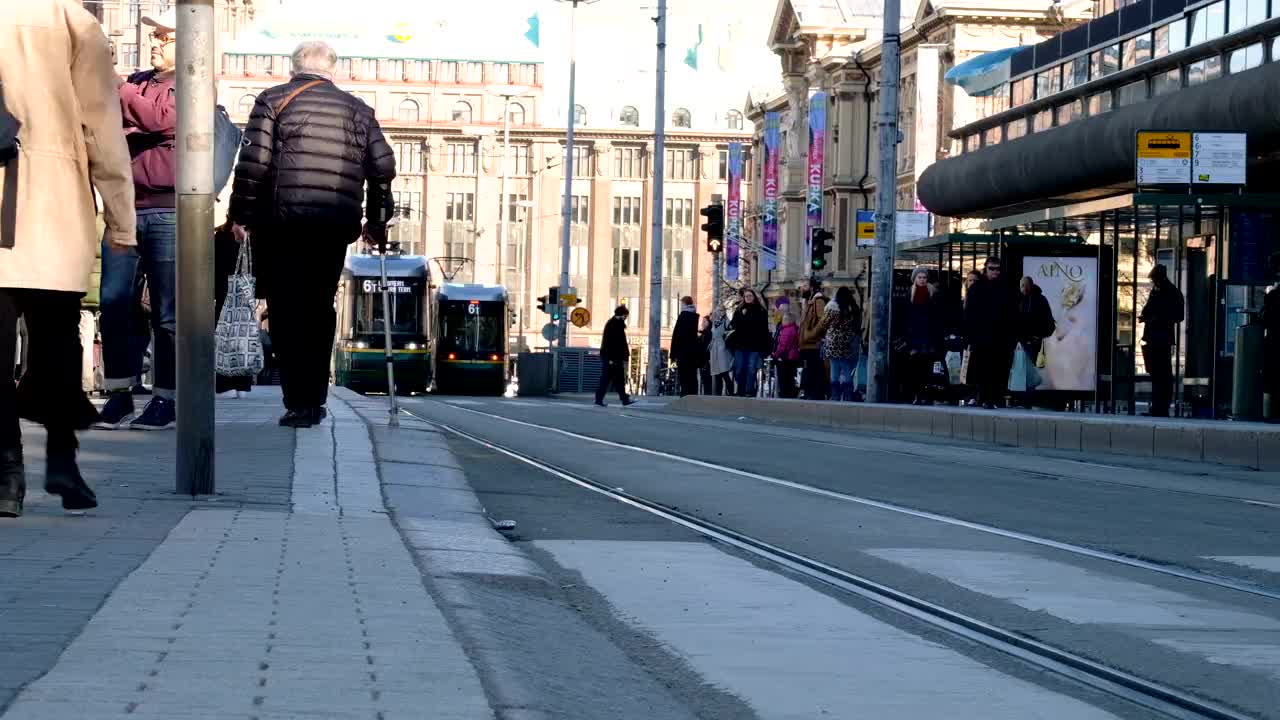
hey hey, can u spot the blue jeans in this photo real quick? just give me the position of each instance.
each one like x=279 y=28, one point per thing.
x=746 y=368
x=843 y=377
x=123 y=340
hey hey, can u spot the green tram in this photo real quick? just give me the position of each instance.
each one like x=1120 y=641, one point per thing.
x=359 y=358
x=471 y=340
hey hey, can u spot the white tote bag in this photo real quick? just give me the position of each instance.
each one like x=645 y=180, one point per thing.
x=239 y=347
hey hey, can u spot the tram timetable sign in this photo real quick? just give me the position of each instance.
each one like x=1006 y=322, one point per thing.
x=1164 y=158
x=1191 y=158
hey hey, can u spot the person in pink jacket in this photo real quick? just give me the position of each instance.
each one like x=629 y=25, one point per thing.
x=787 y=355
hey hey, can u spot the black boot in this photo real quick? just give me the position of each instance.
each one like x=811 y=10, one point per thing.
x=13 y=483
x=62 y=477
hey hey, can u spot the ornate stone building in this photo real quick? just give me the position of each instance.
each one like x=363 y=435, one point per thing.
x=437 y=78
x=834 y=46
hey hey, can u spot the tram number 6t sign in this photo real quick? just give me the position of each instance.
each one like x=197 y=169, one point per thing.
x=393 y=287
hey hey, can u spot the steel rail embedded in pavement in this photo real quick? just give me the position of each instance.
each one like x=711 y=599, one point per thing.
x=1170 y=570
x=1146 y=693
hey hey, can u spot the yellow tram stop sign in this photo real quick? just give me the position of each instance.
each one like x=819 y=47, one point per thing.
x=580 y=317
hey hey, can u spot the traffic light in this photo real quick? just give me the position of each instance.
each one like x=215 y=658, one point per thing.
x=553 y=303
x=714 y=227
x=820 y=239
x=542 y=304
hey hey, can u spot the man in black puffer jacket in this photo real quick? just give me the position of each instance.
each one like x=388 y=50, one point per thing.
x=311 y=155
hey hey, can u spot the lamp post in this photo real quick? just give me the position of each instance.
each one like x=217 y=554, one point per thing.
x=506 y=92
x=659 y=177
x=566 y=211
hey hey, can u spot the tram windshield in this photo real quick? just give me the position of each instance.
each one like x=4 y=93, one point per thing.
x=470 y=326
x=406 y=309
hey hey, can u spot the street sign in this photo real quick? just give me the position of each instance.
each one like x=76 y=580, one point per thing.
x=568 y=299
x=909 y=225
x=1219 y=158
x=1164 y=158
x=580 y=317
x=550 y=332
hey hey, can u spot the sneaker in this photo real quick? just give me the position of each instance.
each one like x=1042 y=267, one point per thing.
x=159 y=414
x=117 y=412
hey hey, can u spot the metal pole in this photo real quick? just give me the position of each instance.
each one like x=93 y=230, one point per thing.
x=567 y=210
x=195 y=293
x=503 y=228
x=659 y=177
x=386 y=339
x=717 y=280
x=886 y=203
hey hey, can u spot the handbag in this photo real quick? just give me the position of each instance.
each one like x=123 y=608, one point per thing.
x=239 y=346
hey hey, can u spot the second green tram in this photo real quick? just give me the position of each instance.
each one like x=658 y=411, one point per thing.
x=359 y=358
x=471 y=339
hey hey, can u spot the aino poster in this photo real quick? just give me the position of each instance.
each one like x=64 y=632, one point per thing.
x=1070 y=284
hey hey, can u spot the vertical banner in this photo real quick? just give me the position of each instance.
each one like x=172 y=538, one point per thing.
x=769 y=226
x=817 y=150
x=733 y=244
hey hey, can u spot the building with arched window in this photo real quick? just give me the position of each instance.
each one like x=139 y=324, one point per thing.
x=245 y=106
x=681 y=118
x=515 y=114
x=629 y=117
x=733 y=120
x=579 y=115
x=409 y=112
x=461 y=112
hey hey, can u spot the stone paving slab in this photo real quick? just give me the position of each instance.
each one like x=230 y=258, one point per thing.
x=286 y=599
x=59 y=569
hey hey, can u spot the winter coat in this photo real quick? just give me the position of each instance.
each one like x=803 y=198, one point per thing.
x=990 y=315
x=922 y=325
x=788 y=344
x=685 y=349
x=149 y=105
x=720 y=358
x=613 y=342
x=750 y=330
x=62 y=89
x=841 y=333
x=811 y=323
x=306 y=169
x=1035 y=321
x=1165 y=308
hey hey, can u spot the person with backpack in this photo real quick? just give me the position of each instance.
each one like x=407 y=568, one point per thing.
x=149 y=105
x=842 y=343
x=60 y=141
x=312 y=163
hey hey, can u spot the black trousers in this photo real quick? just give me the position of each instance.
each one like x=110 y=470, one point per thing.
x=787 y=378
x=615 y=374
x=50 y=393
x=300 y=300
x=814 y=378
x=992 y=363
x=225 y=253
x=920 y=369
x=1159 y=362
x=688 y=379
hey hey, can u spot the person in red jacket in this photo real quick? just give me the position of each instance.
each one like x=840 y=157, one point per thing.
x=787 y=354
x=148 y=102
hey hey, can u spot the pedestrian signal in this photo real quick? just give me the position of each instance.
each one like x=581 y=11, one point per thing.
x=714 y=227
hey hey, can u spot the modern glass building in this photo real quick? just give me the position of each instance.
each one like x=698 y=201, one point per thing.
x=1057 y=157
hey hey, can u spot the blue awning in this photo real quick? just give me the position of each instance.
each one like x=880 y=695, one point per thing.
x=982 y=75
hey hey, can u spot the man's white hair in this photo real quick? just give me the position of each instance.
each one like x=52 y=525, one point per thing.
x=314 y=57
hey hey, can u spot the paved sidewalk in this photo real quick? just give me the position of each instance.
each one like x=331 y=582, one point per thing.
x=290 y=595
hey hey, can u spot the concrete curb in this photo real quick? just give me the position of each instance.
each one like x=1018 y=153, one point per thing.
x=446 y=529
x=1250 y=445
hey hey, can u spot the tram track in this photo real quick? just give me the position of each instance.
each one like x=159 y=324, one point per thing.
x=1144 y=692
x=1146 y=564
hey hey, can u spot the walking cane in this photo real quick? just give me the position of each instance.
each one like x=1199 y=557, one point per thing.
x=386 y=325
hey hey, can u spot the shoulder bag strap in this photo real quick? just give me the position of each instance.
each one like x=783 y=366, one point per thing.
x=298 y=91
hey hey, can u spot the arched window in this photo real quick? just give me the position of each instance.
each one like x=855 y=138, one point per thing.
x=733 y=119
x=630 y=117
x=681 y=118
x=461 y=112
x=516 y=113
x=245 y=107
x=409 y=112
x=579 y=115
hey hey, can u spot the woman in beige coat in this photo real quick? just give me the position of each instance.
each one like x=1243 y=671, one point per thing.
x=58 y=86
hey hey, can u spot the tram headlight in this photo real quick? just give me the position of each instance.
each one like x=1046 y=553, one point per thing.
x=412 y=346
x=453 y=356
x=357 y=345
